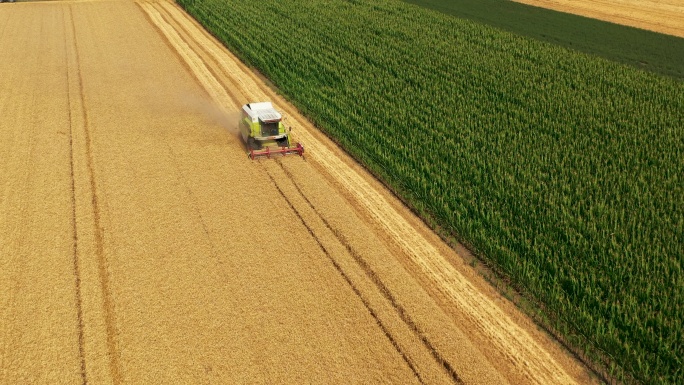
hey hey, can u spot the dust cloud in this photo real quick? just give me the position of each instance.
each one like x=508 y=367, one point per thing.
x=188 y=103
x=214 y=113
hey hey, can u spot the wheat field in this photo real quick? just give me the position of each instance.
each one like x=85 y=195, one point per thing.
x=139 y=244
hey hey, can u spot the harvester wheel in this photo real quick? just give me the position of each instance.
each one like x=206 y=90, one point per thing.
x=253 y=144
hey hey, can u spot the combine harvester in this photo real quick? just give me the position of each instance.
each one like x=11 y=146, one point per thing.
x=264 y=134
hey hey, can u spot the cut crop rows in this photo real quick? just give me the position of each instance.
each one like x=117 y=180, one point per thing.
x=562 y=170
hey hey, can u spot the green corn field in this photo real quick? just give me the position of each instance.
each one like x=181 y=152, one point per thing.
x=563 y=171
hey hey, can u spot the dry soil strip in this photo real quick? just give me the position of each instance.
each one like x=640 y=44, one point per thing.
x=99 y=361
x=516 y=344
x=659 y=16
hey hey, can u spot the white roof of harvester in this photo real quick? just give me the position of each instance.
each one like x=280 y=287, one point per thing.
x=263 y=111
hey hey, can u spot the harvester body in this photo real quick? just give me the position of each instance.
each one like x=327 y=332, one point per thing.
x=263 y=131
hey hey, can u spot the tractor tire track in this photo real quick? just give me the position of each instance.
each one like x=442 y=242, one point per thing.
x=41 y=316
x=95 y=305
x=77 y=269
x=375 y=278
x=347 y=278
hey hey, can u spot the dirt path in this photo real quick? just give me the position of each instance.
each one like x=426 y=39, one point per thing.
x=140 y=245
x=664 y=16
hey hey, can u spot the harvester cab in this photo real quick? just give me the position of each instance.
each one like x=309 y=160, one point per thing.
x=263 y=131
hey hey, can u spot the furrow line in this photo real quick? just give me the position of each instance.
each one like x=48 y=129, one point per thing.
x=97 y=315
x=77 y=272
x=382 y=288
x=347 y=278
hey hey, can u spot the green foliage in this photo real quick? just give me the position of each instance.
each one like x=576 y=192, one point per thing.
x=647 y=50
x=562 y=169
